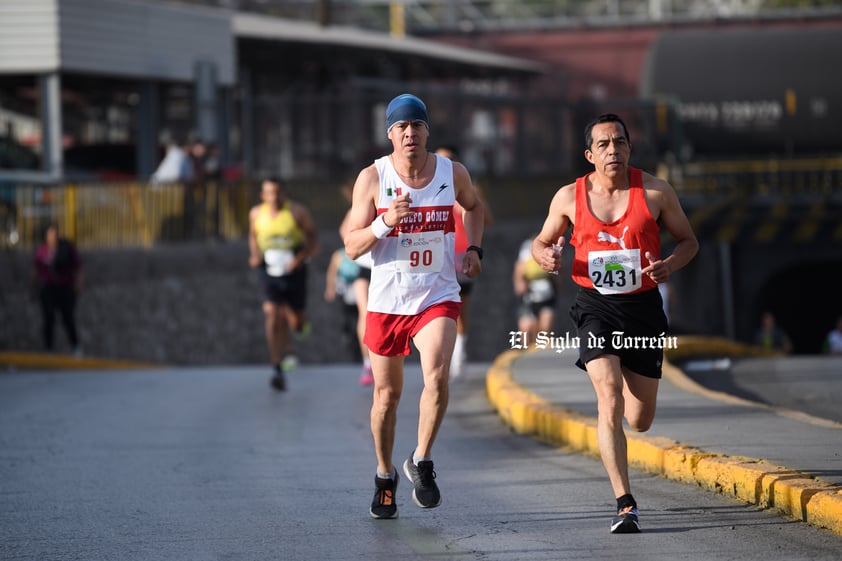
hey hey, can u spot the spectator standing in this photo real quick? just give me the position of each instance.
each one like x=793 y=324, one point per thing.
x=175 y=167
x=57 y=278
x=770 y=336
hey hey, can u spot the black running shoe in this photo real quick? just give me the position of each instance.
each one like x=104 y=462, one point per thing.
x=278 y=381
x=383 y=504
x=426 y=492
x=626 y=522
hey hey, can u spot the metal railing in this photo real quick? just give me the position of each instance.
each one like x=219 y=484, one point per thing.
x=106 y=215
x=808 y=177
x=125 y=214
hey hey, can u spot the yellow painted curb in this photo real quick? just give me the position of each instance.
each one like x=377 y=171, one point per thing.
x=697 y=345
x=749 y=480
x=66 y=362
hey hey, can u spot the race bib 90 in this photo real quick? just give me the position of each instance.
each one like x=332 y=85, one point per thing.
x=421 y=252
x=615 y=271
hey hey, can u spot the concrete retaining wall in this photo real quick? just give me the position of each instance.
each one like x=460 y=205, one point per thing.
x=200 y=304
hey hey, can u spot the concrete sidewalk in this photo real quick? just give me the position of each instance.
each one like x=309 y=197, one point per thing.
x=772 y=458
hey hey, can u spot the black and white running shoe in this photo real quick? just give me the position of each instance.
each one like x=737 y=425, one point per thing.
x=626 y=521
x=426 y=492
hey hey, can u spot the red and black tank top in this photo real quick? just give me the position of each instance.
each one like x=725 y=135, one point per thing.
x=610 y=256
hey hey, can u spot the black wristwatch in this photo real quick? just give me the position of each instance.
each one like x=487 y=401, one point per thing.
x=475 y=248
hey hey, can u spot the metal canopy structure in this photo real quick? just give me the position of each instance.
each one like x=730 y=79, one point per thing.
x=251 y=26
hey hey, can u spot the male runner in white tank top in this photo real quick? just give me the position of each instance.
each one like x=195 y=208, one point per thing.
x=402 y=212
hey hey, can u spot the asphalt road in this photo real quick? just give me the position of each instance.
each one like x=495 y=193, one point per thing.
x=210 y=464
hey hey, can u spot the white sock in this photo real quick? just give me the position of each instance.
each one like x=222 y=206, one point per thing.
x=459 y=347
x=416 y=459
x=387 y=475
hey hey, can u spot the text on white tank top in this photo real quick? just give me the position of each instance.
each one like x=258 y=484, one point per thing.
x=414 y=265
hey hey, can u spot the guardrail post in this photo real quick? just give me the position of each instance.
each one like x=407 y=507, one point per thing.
x=70 y=212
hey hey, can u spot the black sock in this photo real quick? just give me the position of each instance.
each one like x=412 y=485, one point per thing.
x=277 y=368
x=625 y=501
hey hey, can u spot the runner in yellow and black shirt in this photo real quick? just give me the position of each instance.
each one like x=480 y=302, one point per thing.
x=282 y=238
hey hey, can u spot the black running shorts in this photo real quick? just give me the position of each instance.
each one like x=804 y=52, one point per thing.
x=631 y=326
x=289 y=289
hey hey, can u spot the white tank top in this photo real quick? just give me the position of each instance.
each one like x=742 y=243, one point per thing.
x=414 y=265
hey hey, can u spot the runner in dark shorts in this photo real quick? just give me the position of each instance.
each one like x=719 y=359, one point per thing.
x=616 y=213
x=532 y=309
x=289 y=289
x=282 y=238
x=636 y=315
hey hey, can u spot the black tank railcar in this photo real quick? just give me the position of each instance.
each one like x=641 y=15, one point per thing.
x=750 y=92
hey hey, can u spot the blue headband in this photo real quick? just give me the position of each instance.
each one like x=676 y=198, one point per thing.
x=406 y=107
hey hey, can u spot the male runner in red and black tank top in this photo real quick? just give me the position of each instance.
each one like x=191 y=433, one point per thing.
x=616 y=211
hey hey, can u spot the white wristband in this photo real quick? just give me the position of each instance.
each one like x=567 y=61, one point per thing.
x=379 y=227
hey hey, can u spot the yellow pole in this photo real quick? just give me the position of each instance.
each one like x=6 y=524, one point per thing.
x=397 y=19
x=791 y=102
x=139 y=212
x=70 y=212
x=661 y=117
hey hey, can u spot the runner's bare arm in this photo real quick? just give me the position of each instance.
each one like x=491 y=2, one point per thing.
x=518 y=281
x=360 y=236
x=674 y=219
x=470 y=201
x=556 y=224
x=330 y=276
x=254 y=251
x=473 y=216
x=311 y=239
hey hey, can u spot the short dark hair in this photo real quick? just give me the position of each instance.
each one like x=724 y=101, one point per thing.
x=604 y=118
x=274 y=179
